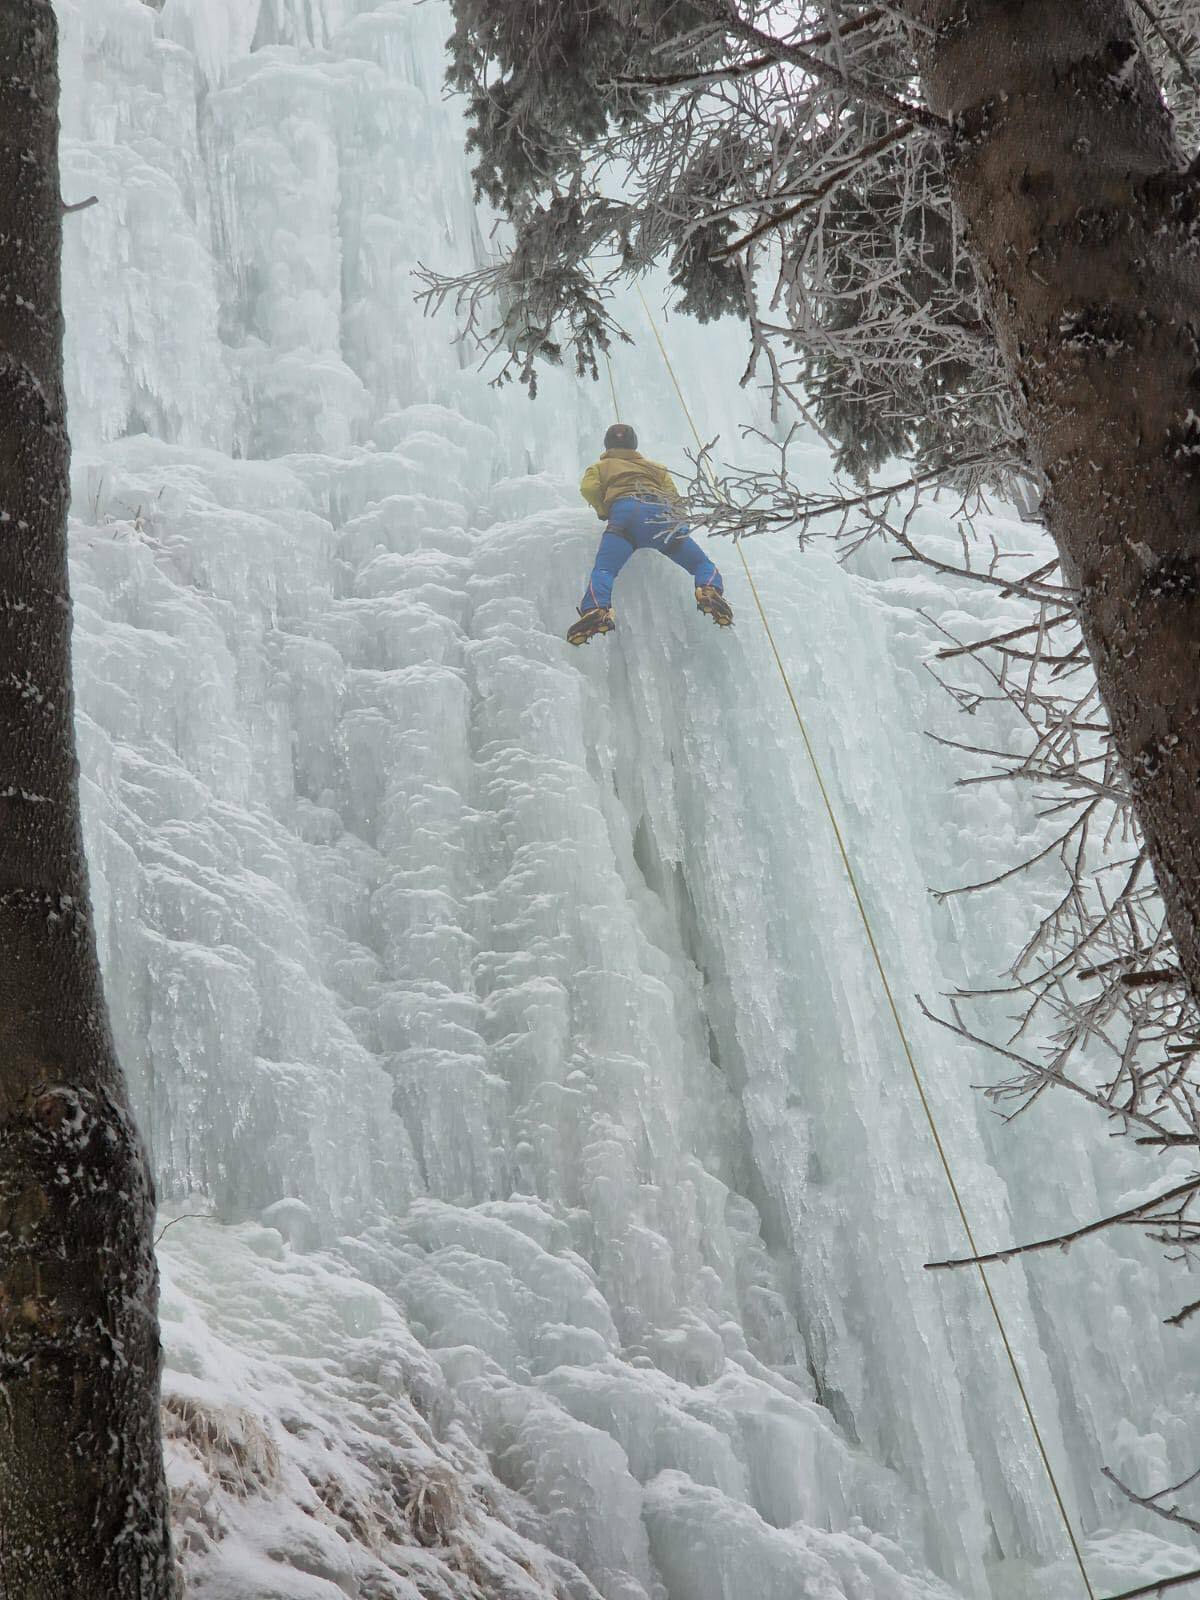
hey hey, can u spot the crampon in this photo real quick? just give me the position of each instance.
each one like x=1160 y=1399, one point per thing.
x=598 y=620
x=714 y=604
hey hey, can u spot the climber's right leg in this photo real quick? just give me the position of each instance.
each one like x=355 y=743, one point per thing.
x=710 y=589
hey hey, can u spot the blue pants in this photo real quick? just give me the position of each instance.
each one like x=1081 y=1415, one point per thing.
x=644 y=525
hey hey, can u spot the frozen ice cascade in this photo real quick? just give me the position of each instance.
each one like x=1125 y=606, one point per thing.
x=546 y=1196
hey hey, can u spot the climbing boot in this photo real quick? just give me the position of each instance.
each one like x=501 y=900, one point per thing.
x=599 y=619
x=714 y=604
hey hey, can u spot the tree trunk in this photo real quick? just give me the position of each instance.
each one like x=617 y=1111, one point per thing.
x=1080 y=215
x=83 y=1506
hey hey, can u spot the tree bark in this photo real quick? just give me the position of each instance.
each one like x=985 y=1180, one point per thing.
x=1079 y=212
x=83 y=1506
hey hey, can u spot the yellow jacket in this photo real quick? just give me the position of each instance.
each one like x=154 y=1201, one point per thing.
x=624 y=472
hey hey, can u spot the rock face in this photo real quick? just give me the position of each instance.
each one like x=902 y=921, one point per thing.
x=505 y=1003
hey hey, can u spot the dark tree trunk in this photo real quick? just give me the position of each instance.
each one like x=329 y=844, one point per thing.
x=83 y=1508
x=1082 y=219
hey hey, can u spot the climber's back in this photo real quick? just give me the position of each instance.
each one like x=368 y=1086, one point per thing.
x=623 y=471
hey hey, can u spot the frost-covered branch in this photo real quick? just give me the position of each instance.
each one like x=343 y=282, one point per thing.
x=1151 y=1502
x=1145 y=1212
x=1159 y=1586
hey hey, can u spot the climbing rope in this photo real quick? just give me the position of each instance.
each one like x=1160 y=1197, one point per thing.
x=612 y=384
x=885 y=981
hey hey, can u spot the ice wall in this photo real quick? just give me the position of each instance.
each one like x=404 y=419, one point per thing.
x=518 y=990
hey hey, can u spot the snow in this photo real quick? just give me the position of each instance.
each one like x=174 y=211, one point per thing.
x=502 y=1008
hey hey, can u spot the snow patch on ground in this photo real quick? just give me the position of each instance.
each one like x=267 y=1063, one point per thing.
x=312 y=1448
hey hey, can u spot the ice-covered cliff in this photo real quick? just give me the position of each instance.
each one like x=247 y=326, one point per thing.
x=547 y=1196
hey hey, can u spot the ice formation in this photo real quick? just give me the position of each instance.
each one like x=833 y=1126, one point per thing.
x=547 y=1196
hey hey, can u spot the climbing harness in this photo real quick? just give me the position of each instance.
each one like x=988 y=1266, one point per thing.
x=893 y=1007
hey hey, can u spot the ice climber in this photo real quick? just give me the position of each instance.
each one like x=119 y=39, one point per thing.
x=637 y=500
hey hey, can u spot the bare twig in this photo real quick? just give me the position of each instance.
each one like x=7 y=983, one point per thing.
x=1150 y=1501
x=779 y=219
x=906 y=110
x=185 y=1216
x=1061 y=1241
x=1171 y=43
x=1159 y=1586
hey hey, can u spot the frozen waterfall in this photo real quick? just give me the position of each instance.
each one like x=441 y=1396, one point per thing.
x=546 y=1194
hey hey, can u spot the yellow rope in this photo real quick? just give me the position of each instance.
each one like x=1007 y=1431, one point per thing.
x=612 y=386
x=881 y=969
